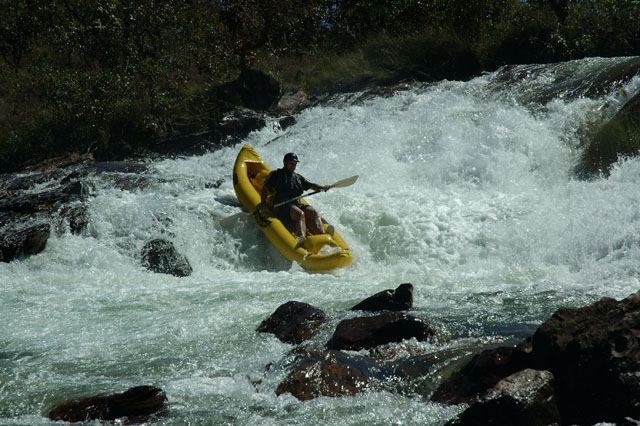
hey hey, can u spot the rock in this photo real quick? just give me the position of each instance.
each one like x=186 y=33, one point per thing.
x=293 y=322
x=162 y=257
x=238 y=123
x=72 y=218
x=400 y=299
x=287 y=121
x=44 y=201
x=23 y=239
x=336 y=373
x=618 y=137
x=291 y=102
x=525 y=398
x=592 y=352
x=330 y=373
x=368 y=332
x=138 y=401
x=481 y=373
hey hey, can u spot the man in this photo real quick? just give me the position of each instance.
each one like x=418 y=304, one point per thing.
x=287 y=184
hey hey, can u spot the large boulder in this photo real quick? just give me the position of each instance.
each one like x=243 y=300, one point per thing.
x=400 y=299
x=618 y=137
x=525 y=398
x=368 y=332
x=162 y=257
x=481 y=373
x=293 y=322
x=592 y=352
x=136 y=402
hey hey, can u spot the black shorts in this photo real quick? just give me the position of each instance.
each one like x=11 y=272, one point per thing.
x=285 y=209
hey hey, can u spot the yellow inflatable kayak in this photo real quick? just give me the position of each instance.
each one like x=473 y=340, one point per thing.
x=319 y=253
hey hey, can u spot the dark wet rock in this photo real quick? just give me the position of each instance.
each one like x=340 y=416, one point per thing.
x=593 y=353
x=136 y=402
x=336 y=373
x=400 y=299
x=43 y=201
x=368 y=332
x=524 y=398
x=23 y=239
x=481 y=373
x=287 y=121
x=618 y=137
x=72 y=218
x=62 y=163
x=237 y=124
x=331 y=373
x=294 y=322
x=162 y=257
x=33 y=204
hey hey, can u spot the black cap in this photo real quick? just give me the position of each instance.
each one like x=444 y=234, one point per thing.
x=290 y=157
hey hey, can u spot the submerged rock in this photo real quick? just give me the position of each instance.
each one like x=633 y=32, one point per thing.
x=400 y=299
x=138 y=401
x=368 y=332
x=294 y=322
x=162 y=257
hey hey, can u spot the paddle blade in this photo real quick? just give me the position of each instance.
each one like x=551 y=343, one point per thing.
x=345 y=182
x=228 y=221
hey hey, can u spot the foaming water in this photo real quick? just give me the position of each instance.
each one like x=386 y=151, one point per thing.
x=465 y=190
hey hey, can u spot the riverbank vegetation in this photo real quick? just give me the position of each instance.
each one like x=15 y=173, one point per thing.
x=125 y=77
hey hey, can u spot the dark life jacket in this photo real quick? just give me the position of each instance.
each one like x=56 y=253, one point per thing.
x=286 y=185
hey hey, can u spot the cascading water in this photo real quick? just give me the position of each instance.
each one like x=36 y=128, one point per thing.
x=466 y=190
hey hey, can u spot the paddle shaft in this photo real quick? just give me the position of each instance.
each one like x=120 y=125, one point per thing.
x=340 y=184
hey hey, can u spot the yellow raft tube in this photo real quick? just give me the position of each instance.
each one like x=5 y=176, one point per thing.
x=319 y=253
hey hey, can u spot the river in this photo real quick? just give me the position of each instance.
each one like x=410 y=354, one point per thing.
x=466 y=190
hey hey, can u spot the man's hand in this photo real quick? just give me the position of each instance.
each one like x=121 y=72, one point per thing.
x=265 y=209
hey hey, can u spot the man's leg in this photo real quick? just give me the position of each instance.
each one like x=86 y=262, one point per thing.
x=315 y=223
x=298 y=218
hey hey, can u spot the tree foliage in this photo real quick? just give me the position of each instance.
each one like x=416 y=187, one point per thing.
x=75 y=73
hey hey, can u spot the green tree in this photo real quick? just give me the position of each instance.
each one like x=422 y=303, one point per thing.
x=22 y=24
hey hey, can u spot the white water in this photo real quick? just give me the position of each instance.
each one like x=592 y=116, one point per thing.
x=463 y=192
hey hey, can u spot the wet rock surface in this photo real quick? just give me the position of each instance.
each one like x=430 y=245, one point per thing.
x=368 y=332
x=524 y=398
x=294 y=322
x=162 y=257
x=137 y=403
x=400 y=299
x=593 y=354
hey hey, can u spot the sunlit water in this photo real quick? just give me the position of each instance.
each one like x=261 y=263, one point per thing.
x=464 y=191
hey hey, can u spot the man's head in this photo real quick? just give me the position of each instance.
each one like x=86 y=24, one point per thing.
x=290 y=161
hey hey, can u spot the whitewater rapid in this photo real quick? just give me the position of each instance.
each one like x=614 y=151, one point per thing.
x=465 y=190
